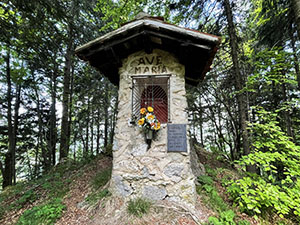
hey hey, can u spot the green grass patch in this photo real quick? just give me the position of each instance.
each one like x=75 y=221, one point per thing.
x=97 y=196
x=211 y=172
x=97 y=182
x=101 y=178
x=45 y=214
x=15 y=197
x=28 y=197
x=51 y=187
x=138 y=207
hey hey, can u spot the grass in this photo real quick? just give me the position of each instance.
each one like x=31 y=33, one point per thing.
x=98 y=181
x=101 y=178
x=138 y=207
x=97 y=196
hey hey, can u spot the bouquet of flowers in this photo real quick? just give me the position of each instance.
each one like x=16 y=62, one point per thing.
x=148 y=120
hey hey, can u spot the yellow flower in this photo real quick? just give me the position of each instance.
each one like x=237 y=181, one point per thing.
x=150 y=117
x=141 y=121
x=157 y=126
x=143 y=110
x=150 y=109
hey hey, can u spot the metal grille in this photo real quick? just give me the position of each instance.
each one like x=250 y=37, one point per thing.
x=151 y=91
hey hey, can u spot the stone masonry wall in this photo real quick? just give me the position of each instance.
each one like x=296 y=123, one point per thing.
x=152 y=173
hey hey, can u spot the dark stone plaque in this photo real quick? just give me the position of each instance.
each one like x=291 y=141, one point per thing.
x=177 y=138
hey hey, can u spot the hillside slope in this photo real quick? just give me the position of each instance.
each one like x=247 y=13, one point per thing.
x=77 y=193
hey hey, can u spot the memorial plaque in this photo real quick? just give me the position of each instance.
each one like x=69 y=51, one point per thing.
x=177 y=138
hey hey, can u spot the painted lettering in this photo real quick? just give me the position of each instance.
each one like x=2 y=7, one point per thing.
x=149 y=62
x=154 y=69
x=158 y=60
x=142 y=61
x=164 y=69
x=138 y=70
x=146 y=70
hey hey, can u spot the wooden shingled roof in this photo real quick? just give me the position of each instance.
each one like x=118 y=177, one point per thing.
x=194 y=49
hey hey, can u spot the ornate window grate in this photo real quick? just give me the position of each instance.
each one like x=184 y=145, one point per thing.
x=151 y=91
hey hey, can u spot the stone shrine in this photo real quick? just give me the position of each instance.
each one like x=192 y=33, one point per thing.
x=151 y=61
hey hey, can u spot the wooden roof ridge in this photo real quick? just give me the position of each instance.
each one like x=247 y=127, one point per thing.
x=151 y=21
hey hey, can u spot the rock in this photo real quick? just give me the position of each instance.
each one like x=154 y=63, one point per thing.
x=115 y=145
x=140 y=149
x=121 y=187
x=197 y=168
x=145 y=172
x=154 y=193
x=173 y=170
x=82 y=205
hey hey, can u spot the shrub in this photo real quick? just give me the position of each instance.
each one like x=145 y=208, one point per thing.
x=208 y=187
x=277 y=187
x=226 y=218
x=43 y=214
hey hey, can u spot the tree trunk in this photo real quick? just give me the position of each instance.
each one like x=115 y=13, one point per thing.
x=53 y=131
x=106 y=115
x=1 y=168
x=238 y=80
x=7 y=174
x=98 y=133
x=296 y=60
x=71 y=102
x=92 y=133
x=287 y=117
x=113 y=121
x=65 y=139
x=15 y=129
x=296 y=9
x=87 y=127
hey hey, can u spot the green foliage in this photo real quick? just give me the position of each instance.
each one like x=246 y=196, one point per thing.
x=207 y=187
x=211 y=172
x=272 y=67
x=211 y=196
x=277 y=187
x=43 y=214
x=28 y=197
x=108 y=150
x=205 y=180
x=138 y=207
x=17 y=192
x=243 y=222
x=54 y=184
x=101 y=178
x=119 y=12
x=226 y=218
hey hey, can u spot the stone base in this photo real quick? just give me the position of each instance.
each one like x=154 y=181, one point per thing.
x=153 y=173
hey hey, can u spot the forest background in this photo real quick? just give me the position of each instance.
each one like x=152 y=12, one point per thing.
x=247 y=110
